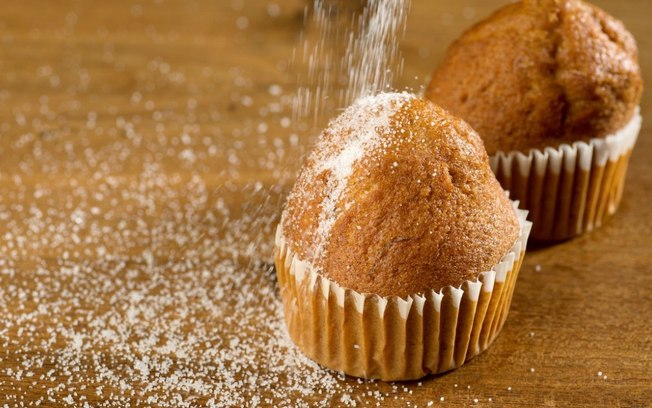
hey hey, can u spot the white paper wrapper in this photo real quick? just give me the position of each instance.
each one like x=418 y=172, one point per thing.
x=570 y=189
x=393 y=338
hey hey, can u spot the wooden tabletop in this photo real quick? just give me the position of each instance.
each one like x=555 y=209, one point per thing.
x=146 y=148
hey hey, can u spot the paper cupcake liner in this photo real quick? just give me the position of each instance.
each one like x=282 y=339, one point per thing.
x=570 y=189
x=393 y=338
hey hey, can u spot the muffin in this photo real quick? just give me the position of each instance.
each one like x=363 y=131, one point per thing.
x=552 y=87
x=397 y=251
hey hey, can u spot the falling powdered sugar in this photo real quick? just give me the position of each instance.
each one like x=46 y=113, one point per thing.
x=372 y=56
x=355 y=54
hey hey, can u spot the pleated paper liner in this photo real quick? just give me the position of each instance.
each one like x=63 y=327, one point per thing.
x=570 y=189
x=393 y=338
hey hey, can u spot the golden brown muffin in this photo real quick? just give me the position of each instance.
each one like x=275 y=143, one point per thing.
x=398 y=198
x=540 y=73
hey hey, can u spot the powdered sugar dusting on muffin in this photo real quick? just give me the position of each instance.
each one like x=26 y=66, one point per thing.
x=362 y=125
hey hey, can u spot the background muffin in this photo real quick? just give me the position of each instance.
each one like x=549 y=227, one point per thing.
x=395 y=210
x=540 y=74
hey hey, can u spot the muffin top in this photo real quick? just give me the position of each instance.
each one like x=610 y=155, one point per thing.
x=541 y=73
x=397 y=198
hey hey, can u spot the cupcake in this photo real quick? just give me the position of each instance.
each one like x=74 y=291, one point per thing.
x=397 y=251
x=552 y=87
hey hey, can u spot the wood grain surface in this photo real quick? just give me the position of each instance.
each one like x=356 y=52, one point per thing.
x=93 y=91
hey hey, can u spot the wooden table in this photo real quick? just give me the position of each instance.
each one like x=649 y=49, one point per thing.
x=144 y=145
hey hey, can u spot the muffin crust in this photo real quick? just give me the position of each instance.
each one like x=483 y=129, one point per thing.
x=420 y=208
x=541 y=73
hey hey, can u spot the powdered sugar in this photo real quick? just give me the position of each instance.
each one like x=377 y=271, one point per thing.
x=347 y=140
x=371 y=58
x=356 y=54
